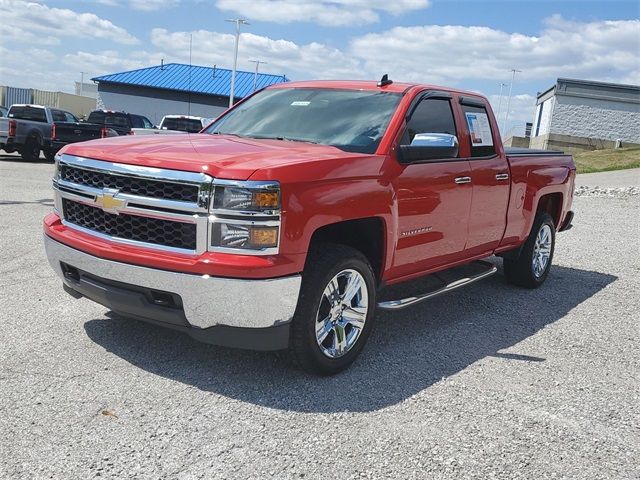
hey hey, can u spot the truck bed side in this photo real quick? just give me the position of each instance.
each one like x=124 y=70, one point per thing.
x=538 y=180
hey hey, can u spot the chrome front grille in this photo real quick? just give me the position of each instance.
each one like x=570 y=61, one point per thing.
x=144 y=206
x=134 y=185
x=132 y=227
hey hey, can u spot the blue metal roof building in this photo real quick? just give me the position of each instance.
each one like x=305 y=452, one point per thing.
x=195 y=79
x=176 y=88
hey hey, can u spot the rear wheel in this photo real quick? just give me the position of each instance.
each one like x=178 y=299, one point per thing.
x=335 y=311
x=31 y=150
x=532 y=267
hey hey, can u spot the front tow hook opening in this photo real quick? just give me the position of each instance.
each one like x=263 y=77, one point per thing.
x=69 y=272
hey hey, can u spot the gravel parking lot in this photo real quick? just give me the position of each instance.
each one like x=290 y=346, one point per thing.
x=491 y=381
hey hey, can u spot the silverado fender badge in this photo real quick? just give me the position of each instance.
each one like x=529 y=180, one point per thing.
x=417 y=231
x=107 y=201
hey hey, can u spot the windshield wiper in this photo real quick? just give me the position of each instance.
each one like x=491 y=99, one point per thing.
x=285 y=139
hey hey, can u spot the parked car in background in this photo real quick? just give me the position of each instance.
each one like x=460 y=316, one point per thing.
x=176 y=124
x=30 y=129
x=3 y=111
x=335 y=196
x=121 y=122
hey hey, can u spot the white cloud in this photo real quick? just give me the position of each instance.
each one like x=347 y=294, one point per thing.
x=150 y=5
x=323 y=12
x=36 y=23
x=596 y=50
x=448 y=54
x=283 y=56
x=521 y=111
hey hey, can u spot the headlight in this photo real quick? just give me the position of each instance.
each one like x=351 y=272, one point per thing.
x=245 y=217
x=240 y=198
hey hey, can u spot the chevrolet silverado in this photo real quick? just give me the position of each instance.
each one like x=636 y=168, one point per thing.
x=304 y=208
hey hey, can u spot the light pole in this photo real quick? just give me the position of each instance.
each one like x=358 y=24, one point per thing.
x=506 y=115
x=502 y=85
x=82 y=82
x=238 y=22
x=255 y=75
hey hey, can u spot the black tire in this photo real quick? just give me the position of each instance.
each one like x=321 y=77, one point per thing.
x=324 y=263
x=520 y=271
x=30 y=152
x=49 y=154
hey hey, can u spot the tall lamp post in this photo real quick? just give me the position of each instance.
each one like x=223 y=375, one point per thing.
x=238 y=22
x=506 y=115
x=255 y=75
x=502 y=85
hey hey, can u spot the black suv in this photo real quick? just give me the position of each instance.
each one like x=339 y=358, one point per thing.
x=121 y=122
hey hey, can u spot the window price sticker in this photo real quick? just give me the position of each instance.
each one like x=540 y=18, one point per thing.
x=479 y=129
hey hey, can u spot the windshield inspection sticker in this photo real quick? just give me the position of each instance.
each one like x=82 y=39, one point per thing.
x=300 y=103
x=479 y=129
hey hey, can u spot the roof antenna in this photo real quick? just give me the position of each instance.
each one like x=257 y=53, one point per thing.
x=384 y=81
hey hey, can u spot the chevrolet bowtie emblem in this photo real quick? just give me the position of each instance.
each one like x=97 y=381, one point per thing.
x=107 y=201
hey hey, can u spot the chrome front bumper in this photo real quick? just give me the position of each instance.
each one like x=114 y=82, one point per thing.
x=207 y=301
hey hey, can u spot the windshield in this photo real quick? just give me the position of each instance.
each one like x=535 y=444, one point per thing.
x=351 y=120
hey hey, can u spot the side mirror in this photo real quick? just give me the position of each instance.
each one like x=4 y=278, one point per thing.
x=429 y=146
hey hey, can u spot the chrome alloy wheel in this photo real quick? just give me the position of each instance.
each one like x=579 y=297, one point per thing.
x=342 y=313
x=542 y=251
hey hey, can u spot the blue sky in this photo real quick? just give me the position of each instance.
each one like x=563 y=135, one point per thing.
x=467 y=44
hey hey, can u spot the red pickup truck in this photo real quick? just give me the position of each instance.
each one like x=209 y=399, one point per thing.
x=296 y=214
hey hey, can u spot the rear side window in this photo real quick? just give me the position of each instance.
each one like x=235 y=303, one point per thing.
x=96 y=117
x=432 y=115
x=70 y=117
x=117 y=120
x=136 y=121
x=33 y=114
x=480 y=133
x=58 y=116
x=182 y=124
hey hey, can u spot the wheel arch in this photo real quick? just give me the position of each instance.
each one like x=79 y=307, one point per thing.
x=367 y=235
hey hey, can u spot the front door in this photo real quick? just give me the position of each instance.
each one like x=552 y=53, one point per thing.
x=434 y=198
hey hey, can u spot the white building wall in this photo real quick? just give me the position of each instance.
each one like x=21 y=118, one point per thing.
x=154 y=108
x=595 y=118
x=543 y=122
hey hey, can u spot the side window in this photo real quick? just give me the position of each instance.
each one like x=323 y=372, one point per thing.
x=480 y=134
x=136 y=121
x=432 y=115
x=58 y=116
x=96 y=117
x=70 y=117
x=147 y=122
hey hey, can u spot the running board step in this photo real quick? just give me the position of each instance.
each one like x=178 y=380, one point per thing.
x=394 y=297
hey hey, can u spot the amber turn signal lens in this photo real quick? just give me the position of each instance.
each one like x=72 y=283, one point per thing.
x=263 y=237
x=265 y=199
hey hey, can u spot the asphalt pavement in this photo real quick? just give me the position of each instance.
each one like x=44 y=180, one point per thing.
x=490 y=381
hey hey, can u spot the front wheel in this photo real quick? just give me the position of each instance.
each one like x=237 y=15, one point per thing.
x=31 y=150
x=335 y=311
x=532 y=267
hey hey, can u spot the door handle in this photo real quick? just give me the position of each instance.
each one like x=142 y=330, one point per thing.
x=502 y=176
x=462 y=180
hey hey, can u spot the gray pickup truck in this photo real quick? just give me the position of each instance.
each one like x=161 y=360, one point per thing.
x=29 y=129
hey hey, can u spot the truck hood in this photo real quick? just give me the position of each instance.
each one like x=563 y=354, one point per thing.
x=223 y=156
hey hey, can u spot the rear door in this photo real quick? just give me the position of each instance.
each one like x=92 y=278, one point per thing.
x=434 y=197
x=489 y=178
